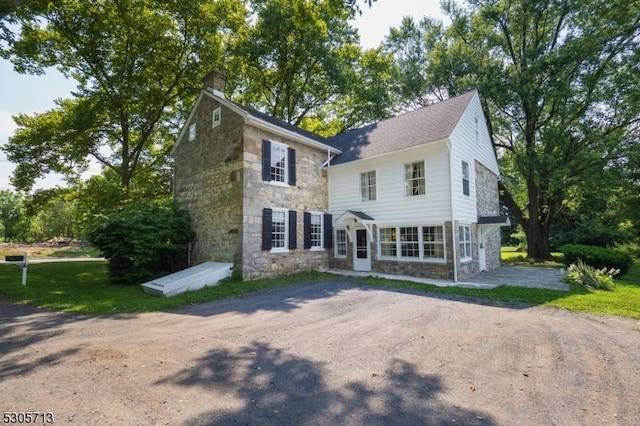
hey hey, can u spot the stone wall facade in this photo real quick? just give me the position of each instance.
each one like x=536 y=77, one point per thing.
x=487 y=201
x=310 y=194
x=209 y=183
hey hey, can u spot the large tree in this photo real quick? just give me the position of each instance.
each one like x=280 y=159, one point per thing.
x=559 y=82
x=136 y=63
x=300 y=61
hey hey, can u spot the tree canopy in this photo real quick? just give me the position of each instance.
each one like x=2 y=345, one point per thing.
x=558 y=81
x=136 y=62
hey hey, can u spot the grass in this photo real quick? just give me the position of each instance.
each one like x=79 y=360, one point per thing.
x=83 y=288
x=511 y=256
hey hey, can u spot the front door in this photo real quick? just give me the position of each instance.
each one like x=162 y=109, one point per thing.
x=362 y=254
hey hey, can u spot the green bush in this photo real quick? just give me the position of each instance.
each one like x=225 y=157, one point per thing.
x=598 y=257
x=589 y=277
x=143 y=242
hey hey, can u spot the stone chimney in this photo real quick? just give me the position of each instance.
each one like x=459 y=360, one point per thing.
x=214 y=82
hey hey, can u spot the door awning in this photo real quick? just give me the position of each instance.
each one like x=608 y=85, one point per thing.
x=490 y=222
x=351 y=218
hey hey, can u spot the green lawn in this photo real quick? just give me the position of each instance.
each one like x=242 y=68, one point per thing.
x=511 y=256
x=83 y=288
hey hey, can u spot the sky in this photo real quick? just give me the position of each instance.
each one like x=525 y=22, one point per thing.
x=35 y=94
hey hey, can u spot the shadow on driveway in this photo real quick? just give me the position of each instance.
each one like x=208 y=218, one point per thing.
x=276 y=387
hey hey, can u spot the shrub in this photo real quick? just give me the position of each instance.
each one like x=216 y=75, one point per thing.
x=598 y=257
x=589 y=277
x=143 y=242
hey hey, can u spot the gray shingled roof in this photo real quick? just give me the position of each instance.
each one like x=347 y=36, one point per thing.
x=282 y=124
x=426 y=125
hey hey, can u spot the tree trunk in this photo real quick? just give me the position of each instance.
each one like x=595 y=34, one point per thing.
x=538 y=246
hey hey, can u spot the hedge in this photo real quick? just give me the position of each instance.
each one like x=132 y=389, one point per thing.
x=598 y=257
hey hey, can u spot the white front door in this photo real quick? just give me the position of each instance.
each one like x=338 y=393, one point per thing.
x=482 y=257
x=361 y=251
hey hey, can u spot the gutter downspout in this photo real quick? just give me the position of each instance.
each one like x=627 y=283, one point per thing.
x=453 y=230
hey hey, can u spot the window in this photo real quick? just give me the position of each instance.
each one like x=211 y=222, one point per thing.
x=192 y=132
x=433 y=242
x=465 y=178
x=341 y=243
x=278 y=229
x=316 y=230
x=426 y=243
x=464 y=240
x=414 y=179
x=388 y=244
x=409 y=242
x=278 y=163
x=216 y=117
x=368 y=186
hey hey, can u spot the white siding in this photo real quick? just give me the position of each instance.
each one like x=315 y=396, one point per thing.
x=470 y=143
x=391 y=205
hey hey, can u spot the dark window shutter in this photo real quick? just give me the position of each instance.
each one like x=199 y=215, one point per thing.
x=328 y=231
x=267 y=226
x=292 y=166
x=266 y=160
x=293 y=229
x=307 y=230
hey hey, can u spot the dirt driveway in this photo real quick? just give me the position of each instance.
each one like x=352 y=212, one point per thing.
x=321 y=354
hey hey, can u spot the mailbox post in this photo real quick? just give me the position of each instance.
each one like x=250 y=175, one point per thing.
x=20 y=262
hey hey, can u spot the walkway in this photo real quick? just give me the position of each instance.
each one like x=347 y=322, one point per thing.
x=521 y=276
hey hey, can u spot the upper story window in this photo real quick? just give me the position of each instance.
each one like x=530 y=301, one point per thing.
x=278 y=163
x=464 y=241
x=341 y=243
x=368 y=186
x=465 y=178
x=414 y=179
x=192 y=132
x=216 y=118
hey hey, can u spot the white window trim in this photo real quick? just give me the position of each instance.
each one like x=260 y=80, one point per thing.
x=216 y=122
x=375 y=186
x=444 y=244
x=284 y=249
x=421 y=257
x=405 y=182
x=460 y=242
x=286 y=164
x=321 y=246
x=335 y=244
x=192 y=132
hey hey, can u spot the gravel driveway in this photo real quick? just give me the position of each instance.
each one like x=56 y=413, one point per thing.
x=330 y=353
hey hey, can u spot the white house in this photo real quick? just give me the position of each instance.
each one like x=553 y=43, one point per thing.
x=415 y=194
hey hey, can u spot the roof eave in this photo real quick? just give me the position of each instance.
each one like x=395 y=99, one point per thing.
x=257 y=122
x=422 y=145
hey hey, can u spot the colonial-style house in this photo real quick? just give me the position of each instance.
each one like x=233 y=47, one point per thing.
x=416 y=194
